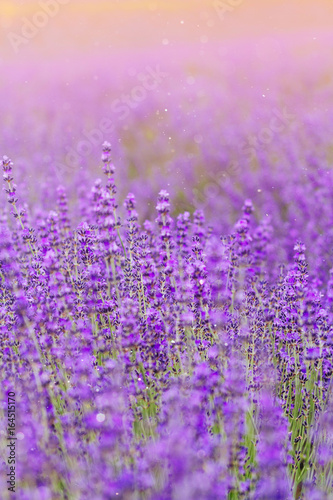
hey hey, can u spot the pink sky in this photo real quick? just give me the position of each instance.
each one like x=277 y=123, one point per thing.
x=85 y=26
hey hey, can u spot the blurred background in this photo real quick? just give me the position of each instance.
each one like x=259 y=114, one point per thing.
x=178 y=87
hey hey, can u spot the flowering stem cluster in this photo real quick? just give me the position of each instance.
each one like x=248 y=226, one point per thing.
x=159 y=359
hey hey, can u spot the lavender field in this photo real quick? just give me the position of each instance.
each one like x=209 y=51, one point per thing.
x=166 y=275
